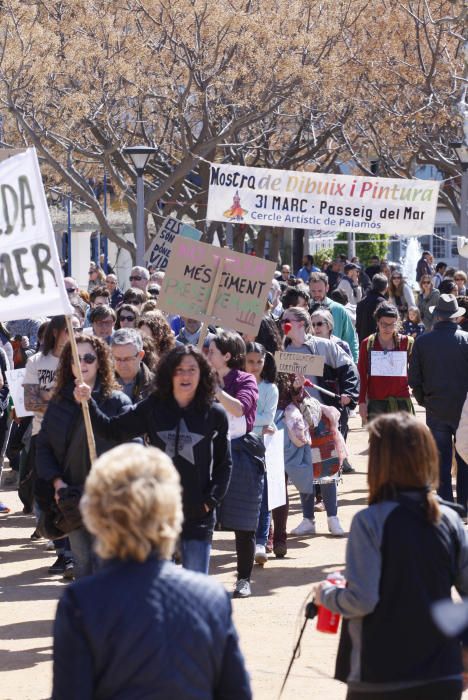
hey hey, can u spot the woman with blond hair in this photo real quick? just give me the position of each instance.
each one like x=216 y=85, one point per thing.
x=427 y=299
x=142 y=627
x=405 y=551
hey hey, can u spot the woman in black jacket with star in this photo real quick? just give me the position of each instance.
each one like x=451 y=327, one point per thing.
x=182 y=419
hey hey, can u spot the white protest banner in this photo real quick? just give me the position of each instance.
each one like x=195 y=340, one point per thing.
x=299 y=363
x=160 y=249
x=389 y=364
x=274 y=460
x=31 y=280
x=323 y=202
x=15 y=379
x=216 y=285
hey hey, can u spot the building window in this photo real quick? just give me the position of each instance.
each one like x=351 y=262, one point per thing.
x=438 y=241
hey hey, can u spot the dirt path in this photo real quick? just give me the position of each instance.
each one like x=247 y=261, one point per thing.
x=268 y=623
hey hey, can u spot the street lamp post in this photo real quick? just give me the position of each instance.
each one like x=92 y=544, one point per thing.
x=140 y=156
x=461 y=149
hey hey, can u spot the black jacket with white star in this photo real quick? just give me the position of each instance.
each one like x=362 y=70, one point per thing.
x=196 y=439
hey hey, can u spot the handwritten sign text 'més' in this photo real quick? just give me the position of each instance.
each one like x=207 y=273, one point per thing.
x=160 y=249
x=299 y=363
x=241 y=294
x=31 y=280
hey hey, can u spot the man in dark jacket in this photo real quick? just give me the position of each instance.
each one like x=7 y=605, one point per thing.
x=438 y=375
x=116 y=294
x=132 y=374
x=365 y=321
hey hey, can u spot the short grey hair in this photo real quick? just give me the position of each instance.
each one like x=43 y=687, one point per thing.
x=127 y=336
x=142 y=271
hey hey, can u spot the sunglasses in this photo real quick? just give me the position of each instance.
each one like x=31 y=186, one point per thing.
x=71 y=290
x=318 y=324
x=136 y=279
x=396 y=277
x=126 y=318
x=88 y=358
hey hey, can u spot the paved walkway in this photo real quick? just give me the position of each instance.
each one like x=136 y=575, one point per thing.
x=268 y=623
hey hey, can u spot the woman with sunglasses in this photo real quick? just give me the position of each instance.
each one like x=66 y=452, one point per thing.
x=297 y=325
x=460 y=280
x=427 y=298
x=62 y=452
x=127 y=316
x=400 y=294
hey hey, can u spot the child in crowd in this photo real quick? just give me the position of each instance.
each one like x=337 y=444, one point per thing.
x=413 y=326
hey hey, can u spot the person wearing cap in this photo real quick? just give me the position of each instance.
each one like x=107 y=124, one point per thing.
x=350 y=284
x=438 y=375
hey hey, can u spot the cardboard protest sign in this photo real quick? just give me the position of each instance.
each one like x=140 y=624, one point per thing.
x=15 y=379
x=299 y=363
x=159 y=252
x=324 y=202
x=239 y=297
x=31 y=280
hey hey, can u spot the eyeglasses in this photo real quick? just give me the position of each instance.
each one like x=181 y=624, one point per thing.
x=134 y=278
x=71 y=290
x=108 y=322
x=427 y=282
x=287 y=320
x=88 y=358
x=318 y=324
x=126 y=359
x=126 y=318
x=458 y=279
x=392 y=324
x=396 y=277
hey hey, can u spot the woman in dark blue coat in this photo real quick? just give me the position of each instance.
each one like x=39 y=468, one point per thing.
x=142 y=627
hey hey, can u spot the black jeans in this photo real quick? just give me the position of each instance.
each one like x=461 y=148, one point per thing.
x=442 y=690
x=245 y=549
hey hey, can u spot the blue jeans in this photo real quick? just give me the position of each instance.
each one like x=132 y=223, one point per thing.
x=86 y=561
x=264 y=518
x=444 y=435
x=196 y=555
x=330 y=500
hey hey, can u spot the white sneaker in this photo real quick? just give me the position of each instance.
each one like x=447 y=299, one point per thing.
x=50 y=546
x=261 y=556
x=334 y=526
x=306 y=527
x=242 y=589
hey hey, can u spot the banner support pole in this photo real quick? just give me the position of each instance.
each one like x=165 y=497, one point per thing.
x=84 y=404
x=211 y=303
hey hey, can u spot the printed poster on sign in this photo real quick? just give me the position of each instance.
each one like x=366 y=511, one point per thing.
x=323 y=202
x=31 y=280
x=159 y=251
x=393 y=363
x=238 y=299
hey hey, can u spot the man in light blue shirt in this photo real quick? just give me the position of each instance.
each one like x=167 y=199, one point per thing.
x=343 y=325
x=307 y=268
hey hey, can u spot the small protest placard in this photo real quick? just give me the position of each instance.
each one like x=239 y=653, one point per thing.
x=299 y=363
x=160 y=250
x=15 y=379
x=274 y=460
x=389 y=364
x=31 y=280
x=237 y=300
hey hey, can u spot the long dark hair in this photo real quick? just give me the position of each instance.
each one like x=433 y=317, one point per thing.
x=167 y=366
x=268 y=373
x=105 y=373
x=57 y=324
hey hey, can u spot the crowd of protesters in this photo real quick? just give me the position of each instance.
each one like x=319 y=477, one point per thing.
x=206 y=397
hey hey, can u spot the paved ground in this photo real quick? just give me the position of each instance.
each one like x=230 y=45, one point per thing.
x=268 y=623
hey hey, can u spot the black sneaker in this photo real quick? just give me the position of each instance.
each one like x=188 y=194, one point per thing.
x=58 y=567
x=69 y=571
x=347 y=468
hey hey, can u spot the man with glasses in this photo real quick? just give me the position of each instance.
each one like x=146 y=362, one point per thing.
x=343 y=325
x=139 y=277
x=132 y=374
x=102 y=323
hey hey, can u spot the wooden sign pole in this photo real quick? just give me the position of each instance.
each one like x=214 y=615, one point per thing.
x=84 y=404
x=211 y=303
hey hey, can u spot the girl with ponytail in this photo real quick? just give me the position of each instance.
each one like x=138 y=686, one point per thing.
x=405 y=552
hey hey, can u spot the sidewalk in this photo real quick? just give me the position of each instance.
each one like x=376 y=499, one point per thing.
x=268 y=622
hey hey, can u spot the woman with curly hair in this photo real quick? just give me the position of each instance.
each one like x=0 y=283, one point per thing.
x=153 y=325
x=62 y=458
x=127 y=316
x=182 y=419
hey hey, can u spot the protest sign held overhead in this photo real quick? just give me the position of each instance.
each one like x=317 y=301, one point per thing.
x=323 y=202
x=217 y=285
x=159 y=251
x=31 y=280
x=299 y=363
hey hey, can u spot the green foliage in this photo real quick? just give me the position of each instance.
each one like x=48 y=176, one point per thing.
x=321 y=255
x=364 y=249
